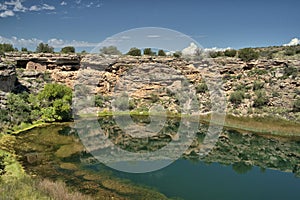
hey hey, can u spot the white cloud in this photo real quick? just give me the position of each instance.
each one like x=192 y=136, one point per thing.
x=20 y=42
x=190 y=50
x=294 y=41
x=11 y=7
x=17 y=5
x=42 y=7
x=63 y=3
x=125 y=37
x=153 y=36
x=7 y=13
x=58 y=43
x=33 y=42
x=3 y=7
x=47 y=7
x=217 y=49
x=34 y=8
x=90 y=4
x=81 y=44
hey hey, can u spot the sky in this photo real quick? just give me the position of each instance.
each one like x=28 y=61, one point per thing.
x=212 y=23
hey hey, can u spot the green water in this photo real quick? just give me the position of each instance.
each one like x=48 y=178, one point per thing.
x=239 y=166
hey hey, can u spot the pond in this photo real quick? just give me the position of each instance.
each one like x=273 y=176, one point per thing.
x=240 y=165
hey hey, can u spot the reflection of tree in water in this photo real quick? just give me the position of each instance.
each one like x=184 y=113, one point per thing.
x=242 y=151
x=241 y=167
x=127 y=142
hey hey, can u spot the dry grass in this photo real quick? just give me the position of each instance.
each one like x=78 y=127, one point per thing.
x=59 y=191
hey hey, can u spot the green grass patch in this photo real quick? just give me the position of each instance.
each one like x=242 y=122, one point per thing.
x=264 y=125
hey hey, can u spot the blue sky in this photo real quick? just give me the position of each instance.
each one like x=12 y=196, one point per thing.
x=212 y=23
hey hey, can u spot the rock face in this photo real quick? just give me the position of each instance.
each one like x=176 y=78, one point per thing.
x=35 y=66
x=43 y=61
x=277 y=80
x=8 y=79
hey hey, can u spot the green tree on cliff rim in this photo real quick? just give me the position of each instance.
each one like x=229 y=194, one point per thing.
x=44 y=48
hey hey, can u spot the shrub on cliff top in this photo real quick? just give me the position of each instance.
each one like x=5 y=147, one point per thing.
x=134 y=52
x=247 y=54
x=215 y=54
x=161 y=53
x=230 y=52
x=110 y=50
x=44 y=48
x=68 y=49
x=149 y=52
x=6 y=48
x=177 y=54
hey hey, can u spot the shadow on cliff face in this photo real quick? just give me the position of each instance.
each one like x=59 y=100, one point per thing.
x=19 y=88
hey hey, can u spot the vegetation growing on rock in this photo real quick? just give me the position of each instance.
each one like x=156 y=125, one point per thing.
x=110 y=50
x=68 y=49
x=149 y=52
x=230 y=52
x=6 y=48
x=161 y=53
x=248 y=54
x=53 y=103
x=44 y=48
x=134 y=52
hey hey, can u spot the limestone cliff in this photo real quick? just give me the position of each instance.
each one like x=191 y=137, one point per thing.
x=276 y=82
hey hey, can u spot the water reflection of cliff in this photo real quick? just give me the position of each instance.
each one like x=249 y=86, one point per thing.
x=242 y=151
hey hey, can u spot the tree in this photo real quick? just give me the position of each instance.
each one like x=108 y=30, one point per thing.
x=111 y=50
x=161 y=53
x=241 y=167
x=44 y=48
x=24 y=49
x=177 y=54
x=68 y=49
x=18 y=108
x=134 y=52
x=247 y=54
x=56 y=102
x=230 y=52
x=6 y=48
x=149 y=52
x=215 y=54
